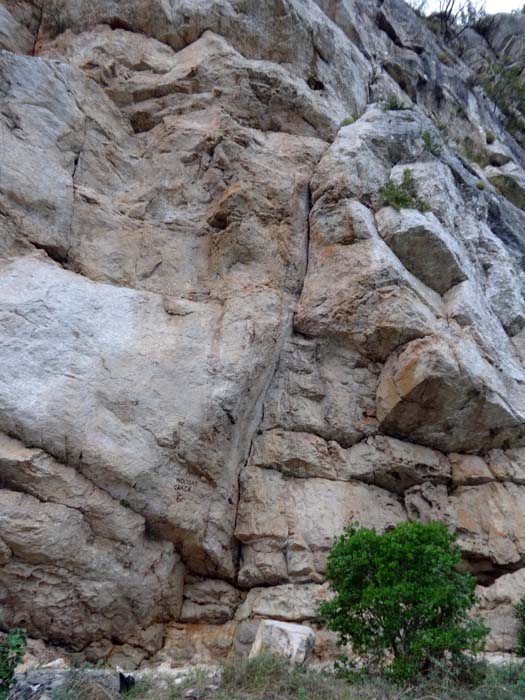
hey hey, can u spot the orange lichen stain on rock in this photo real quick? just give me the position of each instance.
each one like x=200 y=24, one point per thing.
x=407 y=377
x=198 y=643
x=222 y=209
x=389 y=397
x=465 y=520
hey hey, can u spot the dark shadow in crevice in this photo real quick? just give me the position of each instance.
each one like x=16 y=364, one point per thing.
x=55 y=252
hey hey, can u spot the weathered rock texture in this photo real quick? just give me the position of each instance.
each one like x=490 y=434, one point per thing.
x=219 y=345
x=293 y=642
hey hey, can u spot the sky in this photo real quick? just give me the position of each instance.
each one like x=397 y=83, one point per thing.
x=491 y=6
x=503 y=5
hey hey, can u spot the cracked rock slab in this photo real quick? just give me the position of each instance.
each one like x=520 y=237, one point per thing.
x=423 y=246
x=448 y=396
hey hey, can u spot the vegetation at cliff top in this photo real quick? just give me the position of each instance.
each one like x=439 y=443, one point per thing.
x=502 y=78
x=504 y=83
x=450 y=18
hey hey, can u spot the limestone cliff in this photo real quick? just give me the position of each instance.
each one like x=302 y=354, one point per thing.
x=218 y=345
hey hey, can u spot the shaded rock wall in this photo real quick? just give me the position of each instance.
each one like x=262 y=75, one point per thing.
x=218 y=344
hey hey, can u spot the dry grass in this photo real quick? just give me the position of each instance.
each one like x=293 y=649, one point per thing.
x=79 y=686
x=269 y=678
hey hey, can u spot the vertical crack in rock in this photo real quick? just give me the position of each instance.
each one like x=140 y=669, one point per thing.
x=73 y=184
x=39 y=24
x=307 y=243
x=286 y=337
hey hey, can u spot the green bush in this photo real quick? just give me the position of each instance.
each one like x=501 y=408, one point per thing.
x=504 y=83
x=445 y=58
x=12 y=650
x=430 y=145
x=394 y=104
x=519 y=611
x=399 y=595
x=443 y=130
x=473 y=154
x=403 y=196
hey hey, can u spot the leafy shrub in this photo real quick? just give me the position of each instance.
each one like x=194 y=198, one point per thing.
x=403 y=196
x=12 y=651
x=519 y=611
x=490 y=137
x=347 y=121
x=472 y=153
x=394 y=104
x=430 y=145
x=509 y=188
x=504 y=83
x=443 y=130
x=445 y=58
x=399 y=595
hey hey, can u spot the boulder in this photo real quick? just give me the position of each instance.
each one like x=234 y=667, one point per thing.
x=305 y=515
x=446 y=395
x=14 y=35
x=373 y=305
x=294 y=642
x=289 y=602
x=386 y=462
x=393 y=464
x=104 y=432
x=506 y=34
x=488 y=519
x=295 y=453
x=44 y=683
x=190 y=644
x=508 y=465
x=497 y=606
x=435 y=186
x=210 y=601
x=423 y=246
x=469 y=470
x=80 y=549
x=322 y=387
x=509 y=179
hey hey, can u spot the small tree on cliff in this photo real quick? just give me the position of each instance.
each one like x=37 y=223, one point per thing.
x=450 y=18
x=399 y=597
x=12 y=650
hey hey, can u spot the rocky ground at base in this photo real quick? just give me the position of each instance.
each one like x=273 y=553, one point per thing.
x=270 y=678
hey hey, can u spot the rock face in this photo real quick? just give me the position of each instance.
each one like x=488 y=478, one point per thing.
x=220 y=342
